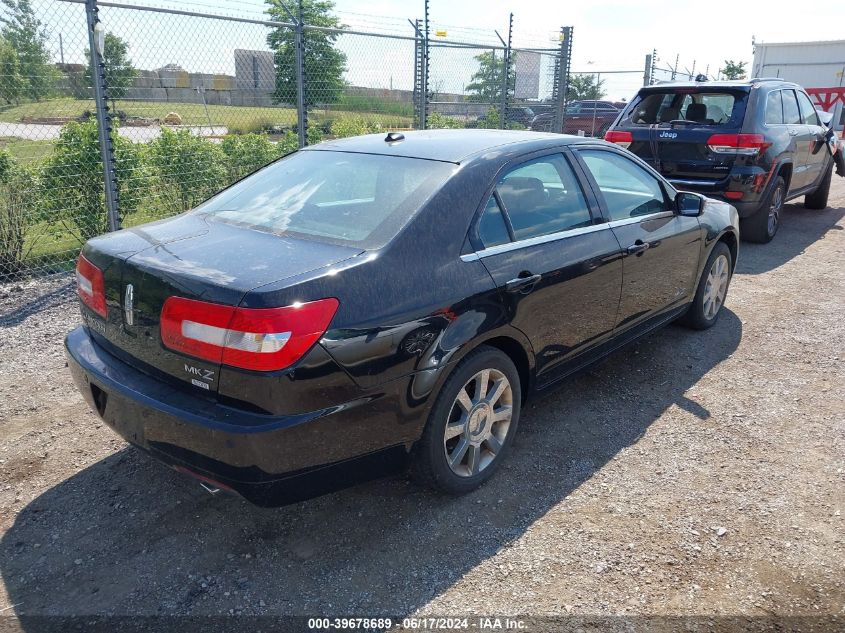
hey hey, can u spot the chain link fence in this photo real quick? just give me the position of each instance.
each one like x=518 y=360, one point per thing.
x=200 y=95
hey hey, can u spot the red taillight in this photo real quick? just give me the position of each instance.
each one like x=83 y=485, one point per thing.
x=91 y=286
x=619 y=137
x=741 y=144
x=262 y=339
x=734 y=195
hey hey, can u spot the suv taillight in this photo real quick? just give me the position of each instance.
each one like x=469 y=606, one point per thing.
x=261 y=339
x=739 y=144
x=91 y=286
x=623 y=139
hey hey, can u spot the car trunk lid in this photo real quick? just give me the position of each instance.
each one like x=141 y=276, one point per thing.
x=195 y=258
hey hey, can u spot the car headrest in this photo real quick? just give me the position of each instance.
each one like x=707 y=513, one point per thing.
x=696 y=112
x=521 y=193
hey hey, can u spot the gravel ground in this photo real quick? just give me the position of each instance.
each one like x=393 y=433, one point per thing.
x=691 y=473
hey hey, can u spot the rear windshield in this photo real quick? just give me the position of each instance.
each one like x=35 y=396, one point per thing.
x=700 y=107
x=356 y=199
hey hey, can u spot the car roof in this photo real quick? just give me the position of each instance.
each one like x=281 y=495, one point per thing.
x=451 y=146
x=735 y=83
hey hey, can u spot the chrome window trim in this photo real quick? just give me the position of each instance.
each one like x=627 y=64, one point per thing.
x=553 y=237
x=640 y=218
x=532 y=241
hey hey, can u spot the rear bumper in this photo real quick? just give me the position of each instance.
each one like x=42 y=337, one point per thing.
x=752 y=182
x=270 y=460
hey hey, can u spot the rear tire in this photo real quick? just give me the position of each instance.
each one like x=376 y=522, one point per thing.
x=480 y=420
x=763 y=225
x=818 y=199
x=712 y=289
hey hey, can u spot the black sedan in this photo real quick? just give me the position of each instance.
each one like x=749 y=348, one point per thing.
x=374 y=302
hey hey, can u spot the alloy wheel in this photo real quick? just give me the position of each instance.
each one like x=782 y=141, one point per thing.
x=774 y=210
x=716 y=287
x=478 y=422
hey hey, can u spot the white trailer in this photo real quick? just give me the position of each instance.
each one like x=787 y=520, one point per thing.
x=817 y=66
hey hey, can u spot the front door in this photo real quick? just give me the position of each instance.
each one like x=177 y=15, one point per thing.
x=661 y=249
x=557 y=266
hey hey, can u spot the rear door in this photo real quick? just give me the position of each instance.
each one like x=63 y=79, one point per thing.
x=661 y=249
x=672 y=128
x=816 y=153
x=556 y=263
x=801 y=138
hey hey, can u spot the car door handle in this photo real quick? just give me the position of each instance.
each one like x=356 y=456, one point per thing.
x=523 y=283
x=638 y=247
x=793 y=132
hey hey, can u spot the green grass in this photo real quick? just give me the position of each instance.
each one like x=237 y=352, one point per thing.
x=24 y=150
x=238 y=117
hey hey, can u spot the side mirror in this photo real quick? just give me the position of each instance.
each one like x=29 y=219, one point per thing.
x=689 y=204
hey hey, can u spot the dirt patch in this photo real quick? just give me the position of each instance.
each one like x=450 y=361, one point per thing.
x=690 y=473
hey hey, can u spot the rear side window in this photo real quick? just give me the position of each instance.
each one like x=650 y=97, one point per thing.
x=629 y=191
x=808 y=110
x=492 y=229
x=356 y=199
x=774 y=108
x=542 y=197
x=791 y=114
x=704 y=108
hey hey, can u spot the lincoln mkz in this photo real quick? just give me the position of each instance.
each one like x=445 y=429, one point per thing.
x=375 y=303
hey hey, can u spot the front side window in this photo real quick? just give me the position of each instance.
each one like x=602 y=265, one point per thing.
x=542 y=197
x=774 y=108
x=356 y=199
x=808 y=110
x=791 y=113
x=629 y=190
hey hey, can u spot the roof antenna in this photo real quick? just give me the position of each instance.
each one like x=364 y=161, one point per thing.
x=394 y=137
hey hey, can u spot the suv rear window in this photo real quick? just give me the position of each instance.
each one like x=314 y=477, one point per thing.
x=356 y=199
x=702 y=107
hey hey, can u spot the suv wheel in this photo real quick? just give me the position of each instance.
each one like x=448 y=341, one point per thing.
x=471 y=425
x=818 y=199
x=762 y=226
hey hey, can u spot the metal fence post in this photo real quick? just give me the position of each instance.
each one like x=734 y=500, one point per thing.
x=424 y=78
x=301 y=108
x=561 y=84
x=647 y=71
x=506 y=62
x=96 y=35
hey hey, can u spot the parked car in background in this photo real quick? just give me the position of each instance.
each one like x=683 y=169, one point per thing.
x=593 y=118
x=520 y=114
x=373 y=301
x=754 y=143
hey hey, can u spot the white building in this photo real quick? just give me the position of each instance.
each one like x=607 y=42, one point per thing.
x=817 y=66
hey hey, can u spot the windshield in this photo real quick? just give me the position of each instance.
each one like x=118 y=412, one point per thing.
x=701 y=108
x=356 y=199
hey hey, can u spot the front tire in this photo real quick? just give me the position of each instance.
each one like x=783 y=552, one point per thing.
x=763 y=225
x=712 y=289
x=471 y=425
x=818 y=199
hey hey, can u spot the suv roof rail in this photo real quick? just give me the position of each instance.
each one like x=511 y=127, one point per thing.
x=759 y=79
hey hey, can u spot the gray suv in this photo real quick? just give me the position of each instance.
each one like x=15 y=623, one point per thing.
x=754 y=143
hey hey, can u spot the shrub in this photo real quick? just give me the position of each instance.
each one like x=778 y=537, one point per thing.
x=73 y=174
x=16 y=213
x=353 y=126
x=436 y=121
x=247 y=153
x=189 y=168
